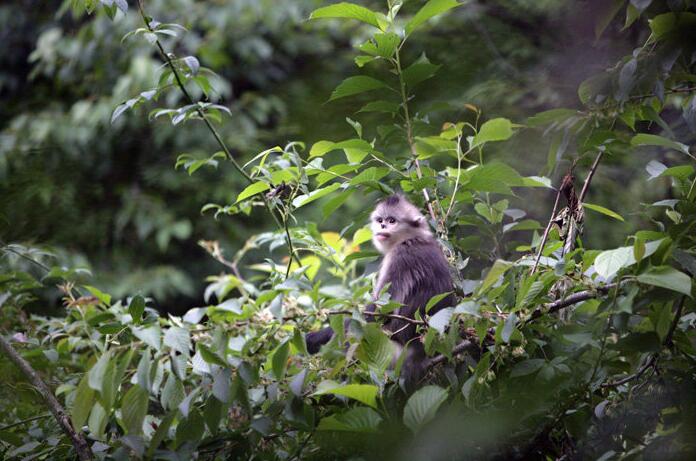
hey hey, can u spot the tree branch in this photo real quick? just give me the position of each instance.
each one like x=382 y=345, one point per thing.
x=471 y=347
x=546 y=234
x=214 y=132
x=81 y=447
x=667 y=342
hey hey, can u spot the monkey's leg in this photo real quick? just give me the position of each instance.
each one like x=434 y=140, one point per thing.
x=413 y=369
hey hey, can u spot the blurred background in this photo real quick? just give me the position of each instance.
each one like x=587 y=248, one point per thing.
x=107 y=197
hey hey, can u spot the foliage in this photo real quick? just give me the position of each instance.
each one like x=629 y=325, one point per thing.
x=610 y=377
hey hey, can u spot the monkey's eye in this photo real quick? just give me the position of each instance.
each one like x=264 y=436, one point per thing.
x=379 y=220
x=391 y=220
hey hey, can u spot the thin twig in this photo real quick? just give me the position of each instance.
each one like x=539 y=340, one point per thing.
x=81 y=447
x=24 y=421
x=587 y=182
x=667 y=342
x=410 y=133
x=548 y=308
x=546 y=234
x=211 y=128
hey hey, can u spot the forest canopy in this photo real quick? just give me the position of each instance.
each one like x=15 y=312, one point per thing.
x=186 y=188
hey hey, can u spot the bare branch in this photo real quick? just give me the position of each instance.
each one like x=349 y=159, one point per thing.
x=81 y=447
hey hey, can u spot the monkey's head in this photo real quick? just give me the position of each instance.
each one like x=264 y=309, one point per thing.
x=395 y=220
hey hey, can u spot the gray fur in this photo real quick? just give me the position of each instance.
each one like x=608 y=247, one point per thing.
x=416 y=270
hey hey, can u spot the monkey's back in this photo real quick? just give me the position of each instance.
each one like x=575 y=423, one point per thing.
x=417 y=271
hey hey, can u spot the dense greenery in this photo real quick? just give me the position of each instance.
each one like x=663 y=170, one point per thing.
x=570 y=339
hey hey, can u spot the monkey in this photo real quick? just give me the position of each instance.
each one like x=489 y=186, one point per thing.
x=414 y=267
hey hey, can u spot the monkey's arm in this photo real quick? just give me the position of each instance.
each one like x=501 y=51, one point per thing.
x=418 y=271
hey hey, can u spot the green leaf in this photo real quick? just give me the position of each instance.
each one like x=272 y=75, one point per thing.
x=149 y=335
x=134 y=407
x=667 y=277
x=429 y=10
x=609 y=262
x=643 y=139
x=358 y=419
x=380 y=106
x=603 y=210
x=365 y=393
x=610 y=10
x=136 y=308
x=376 y=349
x=493 y=177
x=436 y=299
x=82 y=405
x=172 y=394
x=98 y=370
x=420 y=70
x=422 y=406
x=496 y=271
x=178 y=339
x=498 y=129
x=509 y=327
x=356 y=85
x=526 y=367
x=251 y=190
x=100 y=295
x=320 y=148
x=369 y=174
x=279 y=360
x=550 y=116
x=346 y=10
x=332 y=205
x=441 y=319
x=302 y=200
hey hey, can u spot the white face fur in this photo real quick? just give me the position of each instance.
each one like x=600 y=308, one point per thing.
x=395 y=220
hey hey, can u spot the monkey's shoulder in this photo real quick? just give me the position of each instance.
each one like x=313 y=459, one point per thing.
x=419 y=252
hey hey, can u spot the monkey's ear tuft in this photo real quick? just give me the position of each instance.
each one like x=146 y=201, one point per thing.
x=393 y=200
x=419 y=221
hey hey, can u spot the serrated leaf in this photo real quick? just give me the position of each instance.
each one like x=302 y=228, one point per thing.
x=603 y=210
x=136 y=308
x=178 y=339
x=609 y=262
x=172 y=393
x=82 y=404
x=380 y=106
x=365 y=393
x=667 y=277
x=279 y=360
x=149 y=335
x=429 y=10
x=134 y=407
x=359 y=419
x=441 y=319
x=98 y=370
x=496 y=271
x=420 y=70
x=356 y=85
x=498 y=129
x=422 y=406
x=526 y=367
x=302 y=200
x=346 y=10
x=644 y=139
x=375 y=349
x=252 y=190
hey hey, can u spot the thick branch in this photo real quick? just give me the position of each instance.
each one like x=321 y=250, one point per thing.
x=473 y=347
x=78 y=441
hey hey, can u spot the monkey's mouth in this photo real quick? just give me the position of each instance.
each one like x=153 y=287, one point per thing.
x=382 y=235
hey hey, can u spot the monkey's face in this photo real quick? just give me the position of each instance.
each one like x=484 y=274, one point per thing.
x=394 y=223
